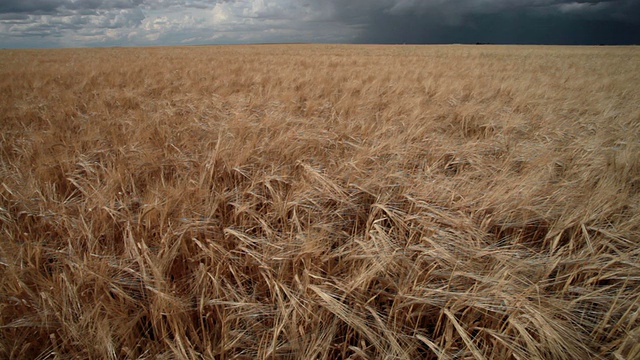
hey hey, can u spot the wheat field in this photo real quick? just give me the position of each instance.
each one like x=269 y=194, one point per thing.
x=320 y=202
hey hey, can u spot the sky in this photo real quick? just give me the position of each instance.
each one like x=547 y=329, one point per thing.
x=81 y=23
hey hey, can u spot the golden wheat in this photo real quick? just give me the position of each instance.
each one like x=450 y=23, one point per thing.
x=320 y=201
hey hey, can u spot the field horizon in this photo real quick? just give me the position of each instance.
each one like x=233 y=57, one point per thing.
x=316 y=44
x=320 y=201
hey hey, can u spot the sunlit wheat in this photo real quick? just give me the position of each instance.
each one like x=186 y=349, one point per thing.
x=323 y=201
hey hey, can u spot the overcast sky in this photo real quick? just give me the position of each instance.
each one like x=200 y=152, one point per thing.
x=75 y=23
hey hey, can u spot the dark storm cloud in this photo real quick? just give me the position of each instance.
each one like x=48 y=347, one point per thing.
x=501 y=21
x=56 y=6
x=511 y=28
x=29 y=6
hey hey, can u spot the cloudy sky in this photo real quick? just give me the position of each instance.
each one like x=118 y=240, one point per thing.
x=76 y=23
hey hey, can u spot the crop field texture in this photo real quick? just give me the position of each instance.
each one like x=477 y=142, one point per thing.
x=320 y=202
